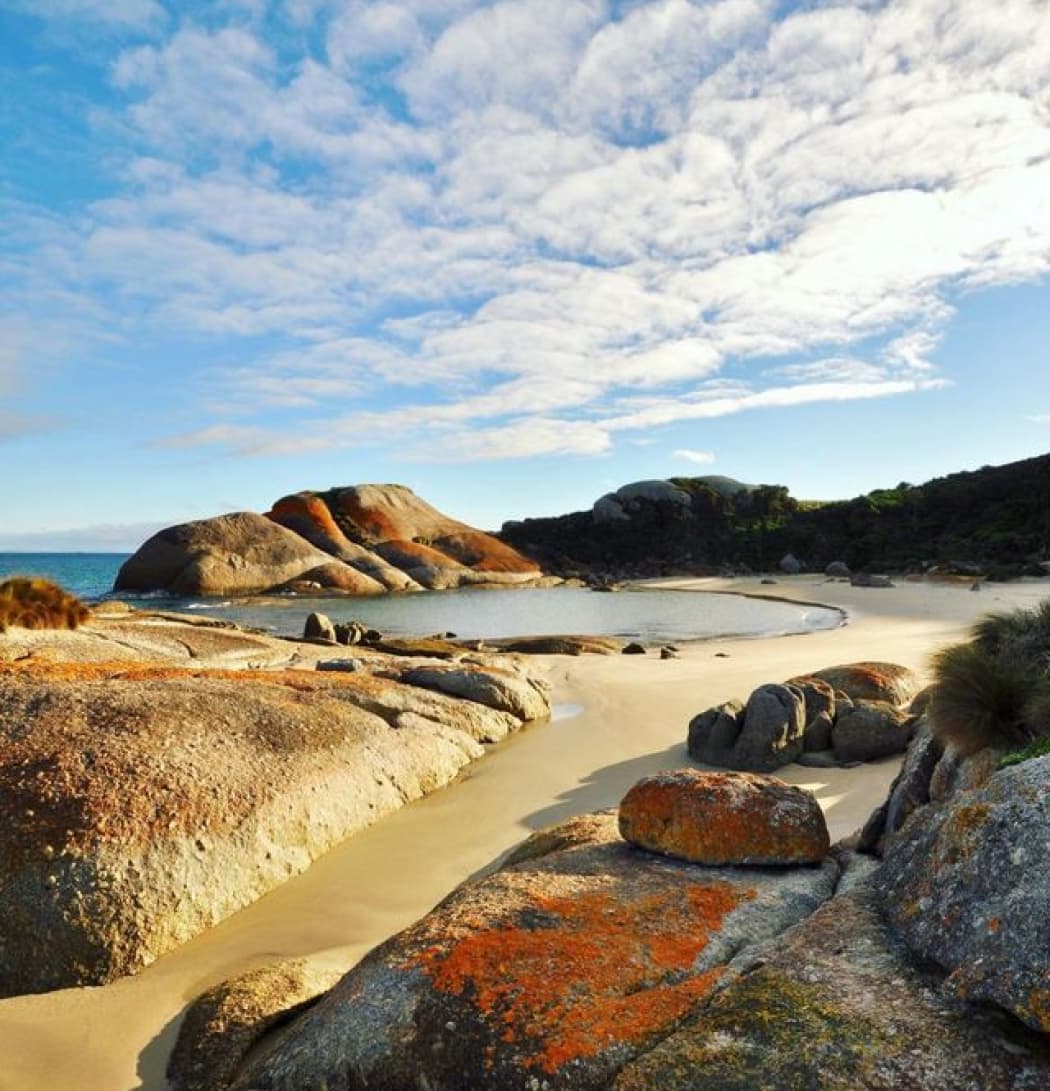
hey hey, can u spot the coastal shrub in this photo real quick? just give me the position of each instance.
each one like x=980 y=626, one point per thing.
x=995 y=690
x=1022 y=634
x=39 y=604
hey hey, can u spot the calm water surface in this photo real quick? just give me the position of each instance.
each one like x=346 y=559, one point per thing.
x=641 y=615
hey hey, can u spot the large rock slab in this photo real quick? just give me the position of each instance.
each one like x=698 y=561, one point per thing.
x=551 y=973
x=141 y=804
x=724 y=818
x=967 y=886
x=837 y=1005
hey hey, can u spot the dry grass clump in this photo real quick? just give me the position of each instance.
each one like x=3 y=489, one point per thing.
x=39 y=604
x=995 y=690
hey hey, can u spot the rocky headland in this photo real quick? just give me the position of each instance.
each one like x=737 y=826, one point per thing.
x=989 y=523
x=359 y=540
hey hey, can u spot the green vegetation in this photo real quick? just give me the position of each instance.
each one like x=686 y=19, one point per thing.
x=39 y=604
x=995 y=690
x=1037 y=749
x=993 y=522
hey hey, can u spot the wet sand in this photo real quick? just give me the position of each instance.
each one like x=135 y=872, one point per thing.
x=633 y=722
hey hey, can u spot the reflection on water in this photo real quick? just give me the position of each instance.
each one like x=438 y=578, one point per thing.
x=474 y=614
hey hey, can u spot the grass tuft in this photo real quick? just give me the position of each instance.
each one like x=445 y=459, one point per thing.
x=39 y=604
x=995 y=690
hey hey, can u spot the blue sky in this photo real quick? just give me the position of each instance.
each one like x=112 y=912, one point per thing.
x=512 y=254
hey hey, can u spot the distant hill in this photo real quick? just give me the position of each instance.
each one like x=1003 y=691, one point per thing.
x=996 y=519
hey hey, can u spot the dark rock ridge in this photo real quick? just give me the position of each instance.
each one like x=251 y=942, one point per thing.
x=360 y=540
x=840 y=715
x=990 y=522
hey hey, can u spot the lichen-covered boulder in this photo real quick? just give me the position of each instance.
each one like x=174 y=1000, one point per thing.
x=837 y=1006
x=142 y=803
x=872 y=681
x=967 y=886
x=724 y=818
x=869 y=730
x=551 y=973
x=224 y=1023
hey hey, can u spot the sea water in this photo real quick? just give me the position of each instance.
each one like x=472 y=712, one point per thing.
x=470 y=613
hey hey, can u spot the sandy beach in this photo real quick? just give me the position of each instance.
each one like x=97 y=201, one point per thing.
x=618 y=719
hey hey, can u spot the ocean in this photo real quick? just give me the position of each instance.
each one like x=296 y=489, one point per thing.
x=651 y=615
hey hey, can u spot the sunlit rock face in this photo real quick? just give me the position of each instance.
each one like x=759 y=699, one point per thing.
x=360 y=540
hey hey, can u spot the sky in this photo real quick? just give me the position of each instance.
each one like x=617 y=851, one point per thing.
x=511 y=254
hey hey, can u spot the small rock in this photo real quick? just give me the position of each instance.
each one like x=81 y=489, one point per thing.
x=319 y=627
x=669 y=653
x=768 y=581
x=724 y=818
x=634 y=649
x=837 y=569
x=349 y=665
x=790 y=564
x=865 y=579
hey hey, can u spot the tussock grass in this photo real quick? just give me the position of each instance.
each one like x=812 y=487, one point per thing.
x=995 y=690
x=39 y=604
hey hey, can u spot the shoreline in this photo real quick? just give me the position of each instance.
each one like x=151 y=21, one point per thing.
x=635 y=711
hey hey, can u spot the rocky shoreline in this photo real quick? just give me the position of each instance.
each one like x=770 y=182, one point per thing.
x=613 y=952
x=157 y=775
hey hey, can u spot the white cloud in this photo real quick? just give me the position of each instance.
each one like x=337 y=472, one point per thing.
x=1039 y=418
x=699 y=458
x=558 y=224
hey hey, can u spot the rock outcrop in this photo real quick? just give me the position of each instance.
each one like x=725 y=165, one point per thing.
x=142 y=802
x=230 y=554
x=968 y=888
x=223 y=1024
x=840 y=715
x=587 y=964
x=553 y=972
x=837 y=1005
x=361 y=540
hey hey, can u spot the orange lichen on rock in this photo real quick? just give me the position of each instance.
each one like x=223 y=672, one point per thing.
x=307 y=512
x=42 y=669
x=872 y=681
x=484 y=553
x=39 y=604
x=724 y=818
x=579 y=975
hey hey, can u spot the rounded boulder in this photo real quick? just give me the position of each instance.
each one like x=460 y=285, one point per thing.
x=724 y=818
